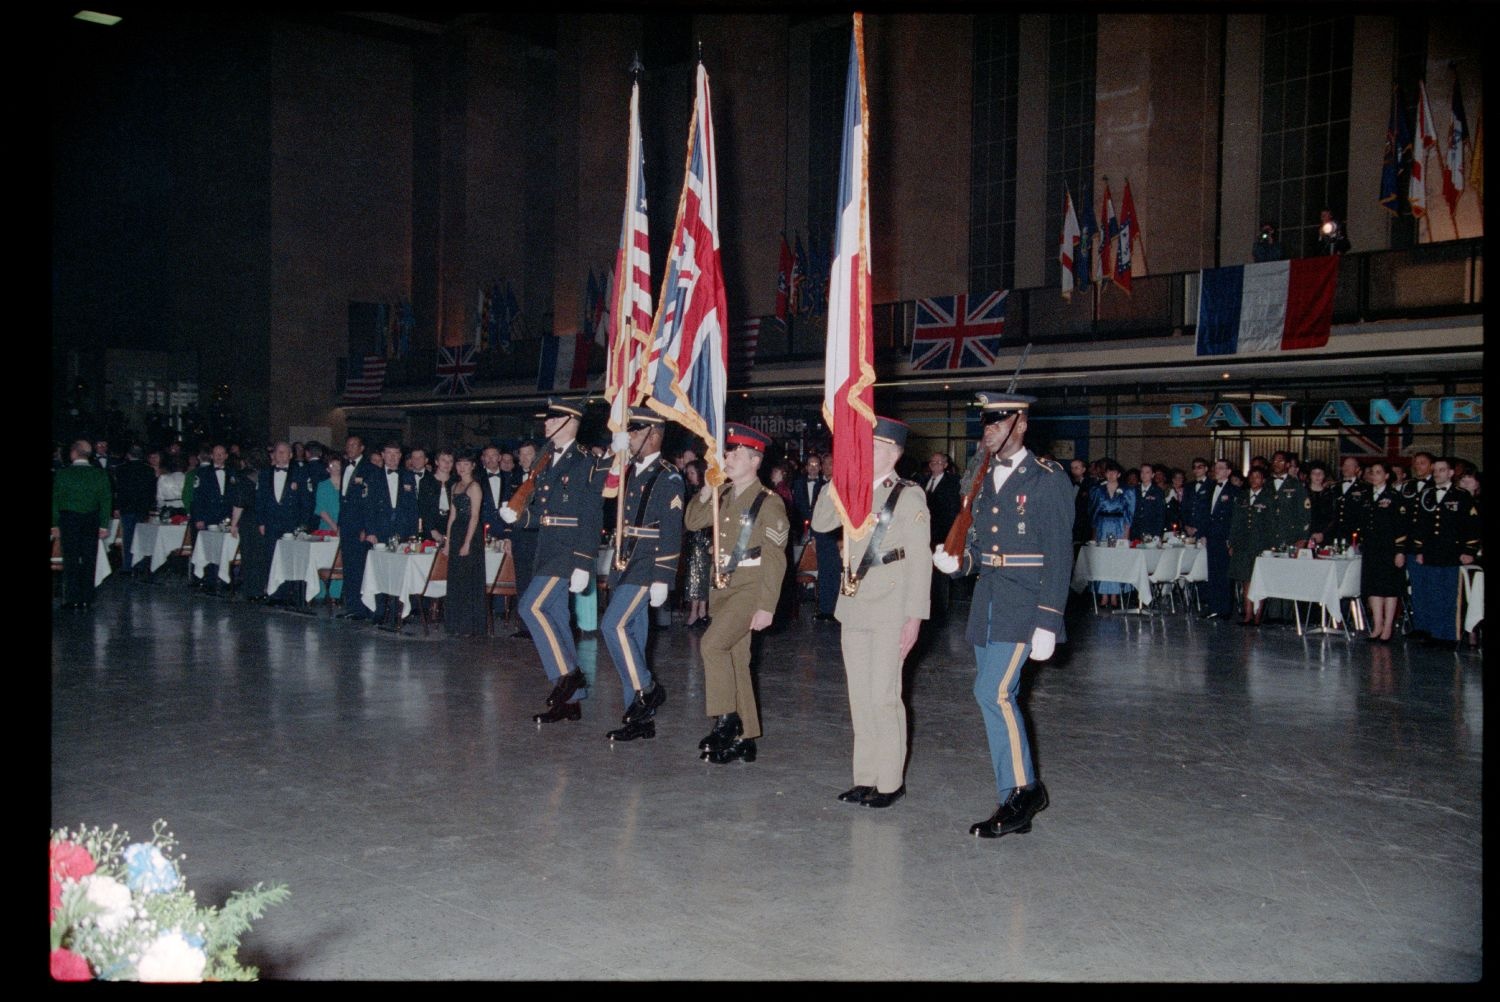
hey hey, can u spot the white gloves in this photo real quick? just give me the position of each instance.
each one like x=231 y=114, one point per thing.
x=658 y=594
x=944 y=561
x=1043 y=643
x=619 y=442
x=579 y=582
x=706 y=494
x=506 y=515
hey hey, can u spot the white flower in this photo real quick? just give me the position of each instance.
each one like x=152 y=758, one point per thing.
x=112 y=897
x=170 y=958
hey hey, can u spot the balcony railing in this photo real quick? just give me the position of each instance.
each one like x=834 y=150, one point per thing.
x=1443 y=279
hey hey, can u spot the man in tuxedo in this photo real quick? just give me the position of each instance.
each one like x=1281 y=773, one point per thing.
x=943 y=502
x=805 y=492
x=358 y=480
x=1083 y=486
x=214 y=497
x=390 y=509
x=1150 y=506
x=1195 y=504
x=283 y=504
x=496 y=488
x=1214 y=529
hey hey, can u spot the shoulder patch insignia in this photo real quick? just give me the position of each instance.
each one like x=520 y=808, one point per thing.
x=676 y=502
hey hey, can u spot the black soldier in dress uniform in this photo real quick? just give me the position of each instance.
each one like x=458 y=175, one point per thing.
x=643 y=570
x=1021 y=546
x=567 y=509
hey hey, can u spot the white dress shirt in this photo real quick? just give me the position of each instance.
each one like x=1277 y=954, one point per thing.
x=393 y=484
x=1005 y=467
x=278 y=482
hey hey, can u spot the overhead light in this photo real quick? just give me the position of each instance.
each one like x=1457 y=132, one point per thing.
x=1225 y=376
x=96 y=17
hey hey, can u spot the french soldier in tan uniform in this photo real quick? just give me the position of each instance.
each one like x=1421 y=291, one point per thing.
x=892 y=571
x=751 y=566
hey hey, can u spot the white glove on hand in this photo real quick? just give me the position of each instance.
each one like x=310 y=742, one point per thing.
x=1043 y=643
x=944 y=561
x=579 y=582
x=620 y=442
x=506 y=515
x=658 y=594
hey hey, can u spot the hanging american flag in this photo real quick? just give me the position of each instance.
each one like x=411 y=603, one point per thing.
x=849 y=363
x=689 y=346
x=367 y=383
x=958 y=332
x=454 y=367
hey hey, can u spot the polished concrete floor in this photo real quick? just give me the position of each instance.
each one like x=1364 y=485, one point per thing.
x=1227 y=804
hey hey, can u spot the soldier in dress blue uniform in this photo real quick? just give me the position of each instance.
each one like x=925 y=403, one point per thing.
x=1150 y=506
x=1216 y=526
x=567 y=509
x=215 y=491
x=1021 y=546
x=390 y=509
x=1444 y=534
x=283 y=504
x=358 y=480
x=644 y=569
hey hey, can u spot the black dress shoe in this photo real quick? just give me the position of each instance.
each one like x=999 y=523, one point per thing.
x=726 y=729
x=739 y=748
x=520 y=635
x=824 y=617
x=562 y=711
x=566 y=686
x=644 y=706
x=856 y=794
x=1014 y=815
x=878 y=799
x=634 y=729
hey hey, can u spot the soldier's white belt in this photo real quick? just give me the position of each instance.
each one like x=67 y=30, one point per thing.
x=559 y=522
x=641 y=532
x=749 y=562
x=1011 y=560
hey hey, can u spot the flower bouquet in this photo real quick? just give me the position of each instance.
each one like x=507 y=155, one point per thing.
x=120 y=911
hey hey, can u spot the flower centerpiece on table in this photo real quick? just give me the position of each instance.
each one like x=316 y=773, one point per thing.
x=120 y=911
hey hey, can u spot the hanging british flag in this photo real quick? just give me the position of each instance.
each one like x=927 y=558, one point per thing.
x=958 y=332
x=454 y=367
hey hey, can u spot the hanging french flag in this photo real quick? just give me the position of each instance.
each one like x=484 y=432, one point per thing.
x=565 y=362
x=1275 y=306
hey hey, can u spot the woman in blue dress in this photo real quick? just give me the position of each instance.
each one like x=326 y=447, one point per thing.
x=1111 y=510
x=326 y=504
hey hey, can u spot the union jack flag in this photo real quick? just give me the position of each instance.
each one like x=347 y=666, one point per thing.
x=454 y=367
x=958 y=332
x=687 y=370
x=1368 y=442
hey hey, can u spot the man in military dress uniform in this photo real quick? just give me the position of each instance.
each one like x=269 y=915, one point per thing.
x=752 y=531
x=214 y=493
x=1444 y=534
x=880 y=620
x=1150 y=506
x=1020 y=545
x=1291 y=507
x=1352 y=500
x=282 y=504
x=643 y=570
x=567 y=510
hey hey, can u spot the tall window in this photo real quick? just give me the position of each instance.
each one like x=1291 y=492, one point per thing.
x=1304 y=144
x=1071 y=45
x=992 y=179
x=828 y=72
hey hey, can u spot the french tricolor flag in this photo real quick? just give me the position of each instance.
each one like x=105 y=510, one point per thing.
x=564 y=362
x=1275 y=306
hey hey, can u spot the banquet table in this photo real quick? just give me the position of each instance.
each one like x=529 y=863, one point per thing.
x=214 y=546
x=1133 y=566
x=301 y=560
x=156 y=541
x=1325 y=582
x=1473 y=580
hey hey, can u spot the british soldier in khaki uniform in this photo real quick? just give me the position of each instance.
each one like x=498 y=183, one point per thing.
x=752 y=530
x=891 y=569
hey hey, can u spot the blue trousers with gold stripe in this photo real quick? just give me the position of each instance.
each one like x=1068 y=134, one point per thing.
x=626 y=625
x=545 y=611
x=995 y=690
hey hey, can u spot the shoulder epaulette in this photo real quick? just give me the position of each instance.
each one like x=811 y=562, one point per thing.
x=1048 y=465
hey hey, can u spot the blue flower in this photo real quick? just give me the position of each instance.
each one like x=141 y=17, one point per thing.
x=148 y=871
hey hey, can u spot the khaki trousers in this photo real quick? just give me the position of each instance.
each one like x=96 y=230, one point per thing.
x=873 y=669
x=727 y=686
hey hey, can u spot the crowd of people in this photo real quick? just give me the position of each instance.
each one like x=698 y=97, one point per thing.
x=1413 y=527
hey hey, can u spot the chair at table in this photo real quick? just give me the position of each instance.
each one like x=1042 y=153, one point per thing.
x=438 y=572
x=807 y=575
x=185 y=551
x=503 y=585
x=328 y=575
x=1164 y=578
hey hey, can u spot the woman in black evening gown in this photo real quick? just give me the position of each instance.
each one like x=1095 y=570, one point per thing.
x=1382 y=581
x=463 y=609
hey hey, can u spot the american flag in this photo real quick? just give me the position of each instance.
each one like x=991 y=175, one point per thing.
x=958 y=332
x=454 y=367
x=627 y=326
x=690 y=343
x=367 y=383
x=849 y=360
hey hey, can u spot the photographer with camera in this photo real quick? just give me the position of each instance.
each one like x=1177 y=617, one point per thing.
x=1267 y=247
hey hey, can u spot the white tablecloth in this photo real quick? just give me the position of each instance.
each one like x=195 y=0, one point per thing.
x=101 y=563
x=1473 y=579
x=1133 y=567
x=114 y=533
x=301 y=560
x=1194 y=564
x=398 y=574
x=214 y=546
x=1320 y=581
x=155 y=541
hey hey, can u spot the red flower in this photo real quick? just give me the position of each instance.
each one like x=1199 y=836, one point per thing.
x=69 y=861
x=69 y=966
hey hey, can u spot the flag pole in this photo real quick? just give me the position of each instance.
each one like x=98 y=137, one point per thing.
x=624 y=328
